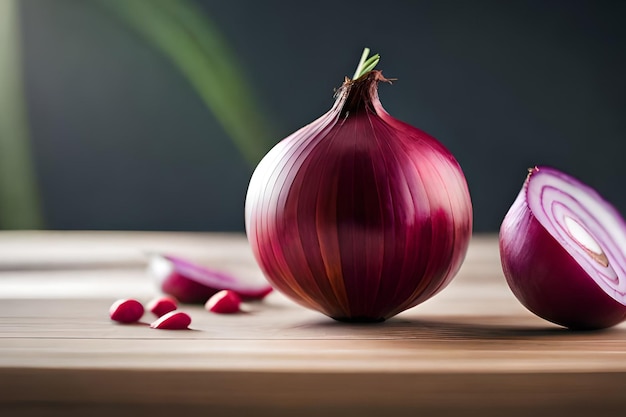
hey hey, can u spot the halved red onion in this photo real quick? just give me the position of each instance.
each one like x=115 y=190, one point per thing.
x=562 y=251
x=192 y=283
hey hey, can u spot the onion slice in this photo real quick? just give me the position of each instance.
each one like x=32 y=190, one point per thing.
x=192 y=283
x=562 y=252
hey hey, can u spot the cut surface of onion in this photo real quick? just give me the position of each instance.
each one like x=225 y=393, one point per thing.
x=562 y=250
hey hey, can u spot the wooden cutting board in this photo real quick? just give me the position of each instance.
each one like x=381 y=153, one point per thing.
x=471 y=350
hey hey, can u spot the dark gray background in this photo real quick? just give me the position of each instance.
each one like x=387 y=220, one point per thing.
x=122 y=141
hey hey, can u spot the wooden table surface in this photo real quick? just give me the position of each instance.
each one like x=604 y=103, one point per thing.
x=471 y=350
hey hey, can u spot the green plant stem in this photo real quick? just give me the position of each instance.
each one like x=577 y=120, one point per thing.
x=186 y=36
x=19 y=193
x=365 y=64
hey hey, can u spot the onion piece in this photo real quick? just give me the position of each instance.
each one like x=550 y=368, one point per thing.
x=126 y=310
x=160 y=306
x=174 y=320
x=562 y=252
x=224 y=302
x=192 y=283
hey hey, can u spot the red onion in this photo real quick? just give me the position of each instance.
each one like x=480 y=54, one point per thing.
x=359 y=215
x=562 y=251
x=192 y=283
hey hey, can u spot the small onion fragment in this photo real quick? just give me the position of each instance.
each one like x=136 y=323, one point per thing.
x=562 y=252
x=126 y=310
x=359 y=215
x=162 y=305
x=174 y=320
x=192 y=283
x=224 y=302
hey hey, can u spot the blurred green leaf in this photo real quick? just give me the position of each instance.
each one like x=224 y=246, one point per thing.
x=187 y=36
x=19 y=195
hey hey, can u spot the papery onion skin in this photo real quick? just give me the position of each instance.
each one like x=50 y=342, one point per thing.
x=359 y=215
x=544 y=277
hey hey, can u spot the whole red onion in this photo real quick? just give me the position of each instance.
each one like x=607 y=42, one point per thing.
x=359 y=215
x=562 y=251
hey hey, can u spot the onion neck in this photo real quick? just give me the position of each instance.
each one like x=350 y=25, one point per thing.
x=360 y=95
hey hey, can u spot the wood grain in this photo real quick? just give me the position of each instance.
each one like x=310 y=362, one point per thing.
x=470 y=350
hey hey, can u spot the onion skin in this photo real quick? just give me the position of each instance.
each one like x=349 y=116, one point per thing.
x=545 y=278
x=359 y=215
